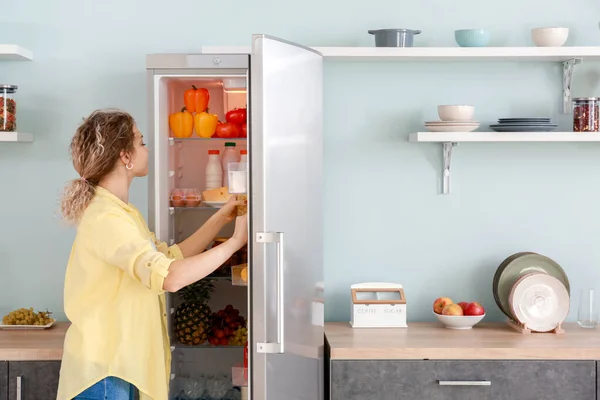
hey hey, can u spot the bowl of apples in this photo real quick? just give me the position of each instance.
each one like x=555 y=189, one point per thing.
x=463 y=315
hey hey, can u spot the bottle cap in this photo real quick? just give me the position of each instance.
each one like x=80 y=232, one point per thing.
x=229 y=144
x=243 y=151
x=213 y=152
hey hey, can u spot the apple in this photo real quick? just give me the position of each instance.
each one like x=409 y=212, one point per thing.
x=463 y=305
x=474 y=308
x=440 y=303
x=452 y=309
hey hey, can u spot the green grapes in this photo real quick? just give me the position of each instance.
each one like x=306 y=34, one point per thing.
x=24 y=316
x=239 y=338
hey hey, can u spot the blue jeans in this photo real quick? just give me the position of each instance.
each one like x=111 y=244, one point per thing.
x=110 y=388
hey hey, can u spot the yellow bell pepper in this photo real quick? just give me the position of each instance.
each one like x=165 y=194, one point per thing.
x=182 y=123
x=205 y=124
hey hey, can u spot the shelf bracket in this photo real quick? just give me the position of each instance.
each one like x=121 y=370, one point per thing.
x=568 y=67
x=448 y=146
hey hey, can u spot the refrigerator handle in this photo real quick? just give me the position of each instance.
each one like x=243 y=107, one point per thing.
x=277 y=347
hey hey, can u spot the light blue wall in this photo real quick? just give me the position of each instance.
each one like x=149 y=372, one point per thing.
x=384 y=217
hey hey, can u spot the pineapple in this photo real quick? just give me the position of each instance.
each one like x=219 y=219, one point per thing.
x=192 y=317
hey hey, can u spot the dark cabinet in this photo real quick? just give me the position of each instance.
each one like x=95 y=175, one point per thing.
x=3 y=380
x=33 y=380
x=463 y=380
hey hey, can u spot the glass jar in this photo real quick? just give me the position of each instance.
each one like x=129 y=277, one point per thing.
x=586 y=114
x=8 y=108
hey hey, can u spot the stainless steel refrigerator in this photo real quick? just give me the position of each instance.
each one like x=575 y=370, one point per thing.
x=282 y=86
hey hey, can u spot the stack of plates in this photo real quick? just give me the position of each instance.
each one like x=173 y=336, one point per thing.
x=532 y=289
x=524 y=125
x=452 y=126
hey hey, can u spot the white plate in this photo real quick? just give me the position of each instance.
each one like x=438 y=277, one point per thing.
x=216 y=204
x=26 y=327
x=452 y=122
x=451 y=128
x=539 y=300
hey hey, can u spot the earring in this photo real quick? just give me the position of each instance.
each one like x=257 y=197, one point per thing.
x=129 y=166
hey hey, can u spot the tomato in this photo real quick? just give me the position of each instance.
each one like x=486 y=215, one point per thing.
x=236 y=116
x=227 y=130
x=243 y=130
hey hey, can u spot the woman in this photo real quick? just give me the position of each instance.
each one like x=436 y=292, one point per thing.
x=118 y=272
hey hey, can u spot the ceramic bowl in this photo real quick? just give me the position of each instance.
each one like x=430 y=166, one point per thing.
x=456 y=113
x=472 y=37
x=459 y=321
x=549 y=37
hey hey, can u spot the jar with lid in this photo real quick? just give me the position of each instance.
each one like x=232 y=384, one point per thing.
x=586 y=114
x=8 y=111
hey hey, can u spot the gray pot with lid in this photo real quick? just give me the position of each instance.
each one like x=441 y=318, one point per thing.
x=394 y=37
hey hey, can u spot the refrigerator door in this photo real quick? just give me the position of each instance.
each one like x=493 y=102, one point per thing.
x=286 y=246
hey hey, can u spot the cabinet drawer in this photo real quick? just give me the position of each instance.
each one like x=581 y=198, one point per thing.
x=463 y=380
x=33 y=380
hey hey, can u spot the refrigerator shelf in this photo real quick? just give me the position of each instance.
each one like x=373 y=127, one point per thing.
x=174 y=139
x=198 y=208
x=218 y=278
x=179 y=346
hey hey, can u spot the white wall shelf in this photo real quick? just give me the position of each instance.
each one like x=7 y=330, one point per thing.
x=449 y=140
x=455 y=137
x=420 y=54
x=16 y=137
x=12 y=52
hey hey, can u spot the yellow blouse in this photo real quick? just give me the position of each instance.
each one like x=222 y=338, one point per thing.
x=114 y=299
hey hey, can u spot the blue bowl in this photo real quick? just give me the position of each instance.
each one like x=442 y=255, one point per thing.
x=472 y=37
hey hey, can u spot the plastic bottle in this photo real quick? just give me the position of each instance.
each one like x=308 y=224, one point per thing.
x=214 y=171
x=229 y=156
x=244 y=156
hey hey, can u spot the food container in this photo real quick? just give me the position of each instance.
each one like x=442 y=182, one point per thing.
x=185 y=198
x=378 y=305
x=177 y=198
x=394 y=37
x=239 y=375
x=243 y=209
x=586 y=116
x=239 y=275
x=192 y=197
x=8 y=111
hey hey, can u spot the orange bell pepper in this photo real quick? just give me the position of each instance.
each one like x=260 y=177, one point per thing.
x=182 y=123
x=196 y=100
x=205 y=124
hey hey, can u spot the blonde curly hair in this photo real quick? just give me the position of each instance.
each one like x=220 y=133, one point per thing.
x=95 y=150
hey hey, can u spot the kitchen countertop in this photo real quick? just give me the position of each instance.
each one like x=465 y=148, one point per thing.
x=33 y=345
x=486 y=341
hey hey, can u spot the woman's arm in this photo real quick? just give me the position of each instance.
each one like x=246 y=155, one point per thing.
x=199 y=240
x=191 y=269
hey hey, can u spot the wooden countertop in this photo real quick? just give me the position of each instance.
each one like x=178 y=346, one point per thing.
x=487 y=340
x=31 y=345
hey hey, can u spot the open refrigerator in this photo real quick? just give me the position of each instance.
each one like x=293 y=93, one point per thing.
x=279 y=301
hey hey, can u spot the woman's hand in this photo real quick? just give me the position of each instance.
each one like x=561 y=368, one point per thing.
x=240 y=234
x=228 y=212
